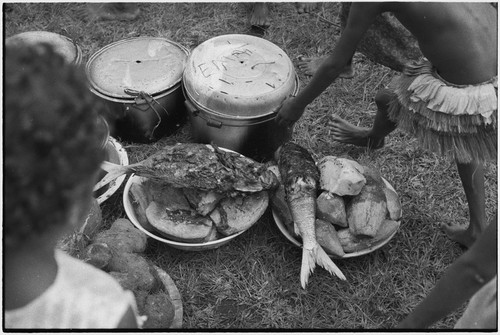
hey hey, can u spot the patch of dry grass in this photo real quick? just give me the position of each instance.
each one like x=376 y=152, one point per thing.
x=253 y=282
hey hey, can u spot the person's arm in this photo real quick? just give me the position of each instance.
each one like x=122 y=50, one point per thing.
x=360 y=18
x=462 y=279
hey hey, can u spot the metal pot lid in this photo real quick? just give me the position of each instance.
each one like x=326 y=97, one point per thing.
x=61 y=44
x=239 y=76
x=143 y=64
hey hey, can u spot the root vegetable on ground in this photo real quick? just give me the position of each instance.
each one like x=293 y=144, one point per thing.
x=139 y=272
x=122 y=236
x=98 y=254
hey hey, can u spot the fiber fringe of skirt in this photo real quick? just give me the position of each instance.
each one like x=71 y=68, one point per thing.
x=455 y=122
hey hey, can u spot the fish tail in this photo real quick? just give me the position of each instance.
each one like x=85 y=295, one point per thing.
x=326 y=262
x=113 y=171
x=308 y=265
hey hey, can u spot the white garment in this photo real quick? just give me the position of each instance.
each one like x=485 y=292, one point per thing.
x=81 y=296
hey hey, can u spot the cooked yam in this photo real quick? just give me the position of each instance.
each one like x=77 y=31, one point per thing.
x=393 y=204
x=202 y=201
x=235 y=214
x=181 y=224
x=331 y=207
x=171 y=197
x=341 y=176
x=213 y=235
x=352 y=243
x=326 y=235
x=367 y=211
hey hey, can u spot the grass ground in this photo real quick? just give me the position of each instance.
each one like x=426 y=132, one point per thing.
x=253 y=282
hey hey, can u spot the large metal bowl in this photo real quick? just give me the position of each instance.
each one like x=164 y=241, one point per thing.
x=130 y=210
x=63 y=45
x=131 y=214
x=292 y=238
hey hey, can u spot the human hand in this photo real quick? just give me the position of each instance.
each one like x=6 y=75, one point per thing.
x=289 y=112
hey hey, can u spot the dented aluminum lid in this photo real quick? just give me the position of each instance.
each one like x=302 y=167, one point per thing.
x=63 y=45
x=239 y=76
x=143 y=64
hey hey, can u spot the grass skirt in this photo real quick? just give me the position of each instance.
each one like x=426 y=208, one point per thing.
x=455 y=121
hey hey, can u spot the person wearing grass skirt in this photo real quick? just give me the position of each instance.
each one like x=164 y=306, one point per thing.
x=447 y=100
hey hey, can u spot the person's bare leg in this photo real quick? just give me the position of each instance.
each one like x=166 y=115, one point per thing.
x=122 y=11
x=305 y=7
x=372 y=138
x=309 y=66
x=472 y=177
x=259 y=16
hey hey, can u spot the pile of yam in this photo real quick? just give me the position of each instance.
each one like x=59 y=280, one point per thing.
x=355 y=208
x=119 y=251
x=193 y=215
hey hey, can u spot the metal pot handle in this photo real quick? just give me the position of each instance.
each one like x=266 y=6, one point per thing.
x=196 y=112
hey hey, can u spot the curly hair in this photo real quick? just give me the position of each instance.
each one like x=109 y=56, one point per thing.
x=52 y=141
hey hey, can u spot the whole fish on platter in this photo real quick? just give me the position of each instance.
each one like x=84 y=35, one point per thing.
x=199 y=166
x=300 y=177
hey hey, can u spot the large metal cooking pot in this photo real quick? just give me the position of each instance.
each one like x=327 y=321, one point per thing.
x=234 y=85
x=63 y=45
x=140 y=81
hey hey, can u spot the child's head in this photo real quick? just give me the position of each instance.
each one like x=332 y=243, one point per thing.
x=52 y=150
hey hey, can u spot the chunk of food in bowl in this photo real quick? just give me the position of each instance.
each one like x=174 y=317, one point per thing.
x=341 y=176
x=238 y=213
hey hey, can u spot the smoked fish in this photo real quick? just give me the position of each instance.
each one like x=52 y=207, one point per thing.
x=200 y=166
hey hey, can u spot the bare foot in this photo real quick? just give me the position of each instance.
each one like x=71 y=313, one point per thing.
x=459 y=234
x=305 y=7
x=309 y=66
x=259 y=16
x=113 y=11
x=345 y=132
